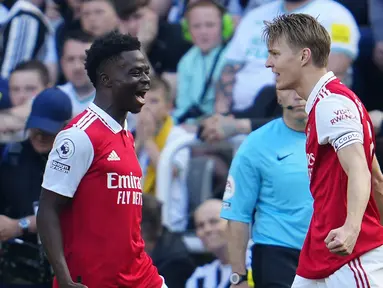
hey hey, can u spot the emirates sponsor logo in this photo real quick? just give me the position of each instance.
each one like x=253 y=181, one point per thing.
x=125 y=184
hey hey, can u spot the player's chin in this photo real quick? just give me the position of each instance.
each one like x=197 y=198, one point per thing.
x=283 y=85
x=136 y=108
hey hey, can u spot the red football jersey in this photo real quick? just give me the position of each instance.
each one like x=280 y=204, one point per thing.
x=336 y=119
x=93 y=161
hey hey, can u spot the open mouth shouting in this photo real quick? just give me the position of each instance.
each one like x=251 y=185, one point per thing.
x=140 y=96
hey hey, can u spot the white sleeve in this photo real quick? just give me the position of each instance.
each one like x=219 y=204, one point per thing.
x=69 y=160
x=338 y=122
x=344 y=32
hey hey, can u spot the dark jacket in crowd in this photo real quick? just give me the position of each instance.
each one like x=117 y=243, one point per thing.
x=172 y=259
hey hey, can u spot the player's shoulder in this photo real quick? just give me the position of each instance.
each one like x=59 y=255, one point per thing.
x=336 y=99
x=83 y=120
x=71 y=140
x=336 y=92
x=335 y=86
x=91 y=123
x=266 y=131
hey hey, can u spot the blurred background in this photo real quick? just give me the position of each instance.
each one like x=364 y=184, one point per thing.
x=209 y=90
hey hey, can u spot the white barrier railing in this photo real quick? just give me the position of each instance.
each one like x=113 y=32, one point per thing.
x=164 y=177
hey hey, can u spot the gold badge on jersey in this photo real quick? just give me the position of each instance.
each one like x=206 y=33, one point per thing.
x=340 y=33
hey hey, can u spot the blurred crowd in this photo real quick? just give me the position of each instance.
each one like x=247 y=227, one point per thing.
x=208 y=80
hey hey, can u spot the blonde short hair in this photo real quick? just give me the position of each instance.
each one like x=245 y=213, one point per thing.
x=300 y=31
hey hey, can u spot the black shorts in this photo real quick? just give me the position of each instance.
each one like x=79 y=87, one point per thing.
x=273 y=266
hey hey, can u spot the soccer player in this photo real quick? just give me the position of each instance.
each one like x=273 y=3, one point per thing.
x=343 y=247
x=268 y=188
x=91 y=202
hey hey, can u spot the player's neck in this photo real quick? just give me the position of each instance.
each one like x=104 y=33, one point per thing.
x=294 y=124
x=308 y=81
x=290 y=6
x=113 y=111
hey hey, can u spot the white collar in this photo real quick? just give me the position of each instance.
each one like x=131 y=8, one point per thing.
x=107 y=119
x=329 y=76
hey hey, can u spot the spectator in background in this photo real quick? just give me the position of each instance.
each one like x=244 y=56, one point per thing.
x=5 y=101
x=207 y=26
x=52 y=12
x=162 y=42
x=242 y=7
x=26 y=81
x=136 y=19
x=26 y=161
x=3 y=13
x=268 y=188
x=376 y=19
x=79 y=87
x=70 y=11
x=211 y=229
x=167 y=249
x=252 y=103
x=161 y=7
x=98 y=17
x=155 y=130
x=27 y=35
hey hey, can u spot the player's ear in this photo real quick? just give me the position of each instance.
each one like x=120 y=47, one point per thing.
x=305 y=56
x=105 y=80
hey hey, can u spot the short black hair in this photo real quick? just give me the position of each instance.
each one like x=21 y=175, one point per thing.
x=34 y=65
x=78 y=35
x=126 y=8
x=107 y=48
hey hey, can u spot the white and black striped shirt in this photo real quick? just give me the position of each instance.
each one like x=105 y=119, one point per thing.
x=25 y=36
x=215 y=274
x=212 y=275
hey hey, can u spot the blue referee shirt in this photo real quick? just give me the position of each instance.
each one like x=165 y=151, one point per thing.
x=268 y=184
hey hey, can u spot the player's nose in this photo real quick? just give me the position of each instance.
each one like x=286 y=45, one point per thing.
x=269 y=63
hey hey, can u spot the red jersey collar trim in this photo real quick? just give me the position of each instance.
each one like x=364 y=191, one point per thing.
x=107 y=119
x=329 y=76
